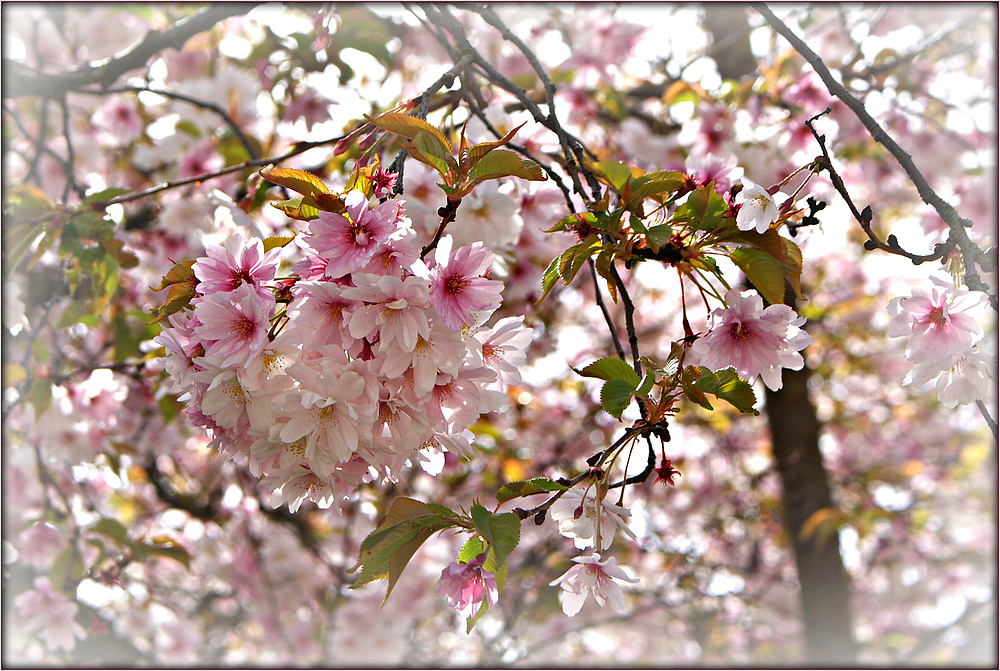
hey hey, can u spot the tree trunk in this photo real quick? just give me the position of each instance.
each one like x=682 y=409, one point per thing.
x=824 y=592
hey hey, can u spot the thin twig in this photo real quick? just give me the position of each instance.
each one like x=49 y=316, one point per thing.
x=971 y=253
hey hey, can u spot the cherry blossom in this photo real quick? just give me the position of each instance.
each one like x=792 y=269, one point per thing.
x=465 y=586
x=592 y=576
x=458 y=288
x=753 y=340
x=758 y=209
x=585 y=520
x=936 y=320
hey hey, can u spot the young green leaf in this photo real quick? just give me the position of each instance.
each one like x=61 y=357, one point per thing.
x=611 y=368
x=762 y=271
x=505 y=163
x=298 y=181
x=409 y=127
x=616 y=395
x=501 y=530
x=658 y=235
x=728 y=386
x=540 y=485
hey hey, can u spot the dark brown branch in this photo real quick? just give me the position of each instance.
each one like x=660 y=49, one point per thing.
x=22 y=81
x=971 y=253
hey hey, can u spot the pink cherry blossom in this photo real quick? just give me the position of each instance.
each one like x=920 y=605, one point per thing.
x=754 y=341
x=48 y=614
x=348 y=241
x=592 y=576
x=238 y=262
x=465 y=586
x=503 y=348
x=936 y=319
x=459 y=288
x=393 y=308
x=969 y=379
x=234 y=324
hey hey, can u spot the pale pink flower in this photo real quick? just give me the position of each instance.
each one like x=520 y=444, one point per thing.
x=936 y=320
x=393 y=308
x=459 y=289
x=503 y=348
x=967 y=380
x=465 y=586
x=395 y=255
x=583 y=519
x=754 y=341
x=320 y=314
x=592 y=576
x=758 y=209
x=234 y=324
x=441 y=352
x=228 y=402
x=239 y=262
x=50 y=615
x=348 y=241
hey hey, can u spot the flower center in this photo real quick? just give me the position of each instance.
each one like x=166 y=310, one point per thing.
x=739 y=332
x=454 y=284
x=937 y=316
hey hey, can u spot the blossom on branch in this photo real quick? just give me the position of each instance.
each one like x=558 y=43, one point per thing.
x=578 y=517
x=592 y=576
x=753 y=340
x=465 y=586
x=758 y=210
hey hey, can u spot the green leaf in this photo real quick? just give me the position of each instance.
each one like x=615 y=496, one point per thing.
x=613 y=173
x=426 y=149
x=275 y=241
x=111 y=528
x=728 y=386
x=611 y=368
x=505 y=163
x=703 y=210
x=162 y=546
x=501 y=530
x=472 y=548
x=659 y=235
x=298 y=181
x=603 y=264
x=572 y=259
x=387 y=550
x=647 y=384
x=103 y=195
x=519 y=488
x=656 y=183
x=409 y=127
x=477 y=151
x=297 y=209
x=549 y=277
x=791 y=267
x=616 y=395
x=762 y=271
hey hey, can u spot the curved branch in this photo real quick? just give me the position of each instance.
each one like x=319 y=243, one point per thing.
x=22 y=81
x=956 y=223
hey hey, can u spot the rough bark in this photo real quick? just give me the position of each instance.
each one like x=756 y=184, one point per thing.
x=824 y=592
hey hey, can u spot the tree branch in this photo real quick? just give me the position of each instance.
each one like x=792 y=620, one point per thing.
x=22 y=81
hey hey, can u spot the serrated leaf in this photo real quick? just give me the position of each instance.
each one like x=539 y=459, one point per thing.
x=477 y=151
x=659 y=235
x=616 y=395
x=603 y=264
x=657 y=183
x=298 y=181
x=471 y=549
x=647 y=384
x=275 y=241
x=501 y=530
x=519 y=488
x=549 y=278
x=179 y=273
x=611 y=368
x=573 y=258
x=426 y=149
x=728 y=386
x=791 y=267
x=505 y=163
x=613 y=173
x=387 y=550
x=409 y=126
x=703 y=210
x=297 y=208
x=762 y=271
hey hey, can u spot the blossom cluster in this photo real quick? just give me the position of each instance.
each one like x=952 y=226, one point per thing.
x=944 y=342
x=363 y=360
